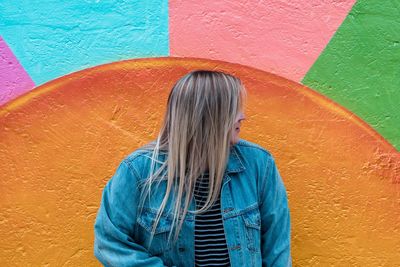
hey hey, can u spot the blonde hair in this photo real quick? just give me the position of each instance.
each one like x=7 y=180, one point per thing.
x=196 y=137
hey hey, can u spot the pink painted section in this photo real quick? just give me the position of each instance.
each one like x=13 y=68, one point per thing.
x=14 y=80
x=282 y=37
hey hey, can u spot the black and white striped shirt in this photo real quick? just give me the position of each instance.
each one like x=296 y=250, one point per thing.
x=210 y=242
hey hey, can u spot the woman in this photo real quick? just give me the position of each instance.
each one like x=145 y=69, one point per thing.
x=198 y=195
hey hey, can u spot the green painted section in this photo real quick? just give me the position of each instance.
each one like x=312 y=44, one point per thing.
x=360 y=67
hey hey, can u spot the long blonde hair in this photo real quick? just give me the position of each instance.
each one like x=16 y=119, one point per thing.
x=196 y=137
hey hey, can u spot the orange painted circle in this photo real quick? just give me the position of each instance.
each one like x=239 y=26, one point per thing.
x=62 y=141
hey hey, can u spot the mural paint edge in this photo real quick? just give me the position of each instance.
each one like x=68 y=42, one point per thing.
x=130 y=64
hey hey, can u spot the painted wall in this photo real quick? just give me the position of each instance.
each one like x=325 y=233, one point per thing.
x=360 y=67
x=51 y=39
x=62 y=134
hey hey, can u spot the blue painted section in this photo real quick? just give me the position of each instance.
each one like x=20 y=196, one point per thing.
x=54 y=38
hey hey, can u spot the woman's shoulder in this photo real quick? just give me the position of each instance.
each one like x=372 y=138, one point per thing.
x=246 y=146
x=140 y=159
x=138 y=153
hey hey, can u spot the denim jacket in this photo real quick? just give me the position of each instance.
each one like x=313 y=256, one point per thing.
x=254 y=210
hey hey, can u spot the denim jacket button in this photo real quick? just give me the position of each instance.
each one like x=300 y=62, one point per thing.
x=181 y=249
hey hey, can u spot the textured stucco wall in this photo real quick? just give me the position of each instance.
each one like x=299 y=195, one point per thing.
x=14 y=80
x=52 y=38
x=360 y=67
x=336 y=144
x=282 y=37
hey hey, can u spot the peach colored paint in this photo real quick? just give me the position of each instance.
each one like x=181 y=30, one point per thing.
x=14 y=80
x=282 y=37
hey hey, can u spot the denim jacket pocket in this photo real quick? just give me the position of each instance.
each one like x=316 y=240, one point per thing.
x=252 y=221
x=158 y=245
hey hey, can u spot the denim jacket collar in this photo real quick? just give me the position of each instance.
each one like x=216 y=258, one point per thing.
x=234 y=163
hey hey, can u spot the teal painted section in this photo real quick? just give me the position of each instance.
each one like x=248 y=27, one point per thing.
x=53 y=38
x=360 y=67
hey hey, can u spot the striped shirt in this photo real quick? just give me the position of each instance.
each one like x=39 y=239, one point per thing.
x=210 y=242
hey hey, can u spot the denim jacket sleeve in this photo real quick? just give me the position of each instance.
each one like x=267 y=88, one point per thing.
x=275 y=219
x=114 y=244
